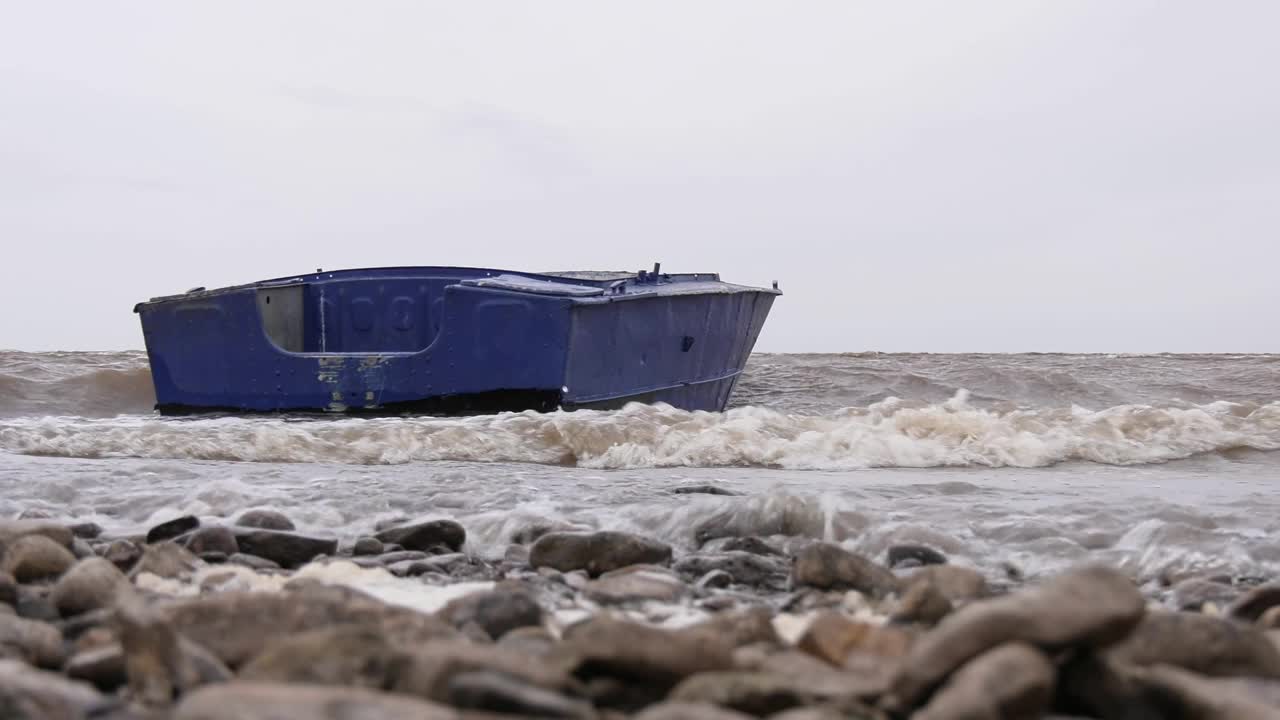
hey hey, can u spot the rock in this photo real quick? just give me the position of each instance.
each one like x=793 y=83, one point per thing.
x=529 y=533
x=1011 y=681
x=166 y=559
x=90 y=584
x=1194 y=593
x=1200 y=643
x=160 y=664
x=367 y=546
x=714 y=579
x=762 y=693
x=702 y=490
x=921 y=602
x=253 y=562
x=1092 y=686
x=533 y=641
x=1253 y=604
x=30 y=694
x=101 y=666
x=742 y=544
x=597 y=552
x=32 y=558
x=637 y=583
x=1270 y=619
x=922 y=554
x=831 y=636
x=258 y=701
x=400 y=556
x=172 y=529
x=429 y=671
x=957 y=584
x=34 y=604
x=1177 y=693
x=674 y=710
x=11 y=530
x=500 y=693
x=237 y=626
x=753 y=625
x=213 y=558
x=123 y=554
x=38 y=643
x=426 y=536
x=8 y=589
x=289 y=550
x=81 y=549
x=745 y=568
x=497 y=611
x=830 y=567
x=86 y=530
x=213 y=539
x=265 y=520
x=643 y=654
x=353 y=654
x=1091 y=606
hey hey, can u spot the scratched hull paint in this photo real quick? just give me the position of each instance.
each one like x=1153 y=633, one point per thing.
x=452 y=341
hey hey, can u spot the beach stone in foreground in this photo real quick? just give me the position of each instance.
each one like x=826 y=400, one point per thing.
x=497 y=611
x=39 y=643
x=11 y=530
x=597 y=552
x=122 y=553
x=32 y=558
x=1011 y=681
x=764 y=693
x=497 y=692
x=367 y=546
x=923 y=603
x=1092 y=606
x=957 y=584
x=831 y=637
x=635 y=583
x=213 y=539
x=352 y=654
x=287 y=549
x=1200 y=643
x=426 y=536
x=265 y=520
x=428 y=671
x=236 y=626
x=159 y=663
x=30 y=694
x=8 y=589
x=644 y=655
x=90 y=584
x=831 y=567
x=1251 y=606
x=263 y=701
x=677 y=710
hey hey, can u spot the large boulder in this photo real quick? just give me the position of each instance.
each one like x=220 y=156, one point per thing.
x=265 y=520
x=596 y=552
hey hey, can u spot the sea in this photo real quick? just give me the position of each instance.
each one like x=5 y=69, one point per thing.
x=1017 y=464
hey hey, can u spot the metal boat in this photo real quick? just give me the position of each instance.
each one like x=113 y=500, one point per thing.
x=452 y=340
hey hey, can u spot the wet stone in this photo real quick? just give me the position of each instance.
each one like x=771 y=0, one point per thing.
x=714 y=580
x=253 y=562
x=1256 y=602
x=830 y=567
x=367 y=546
x=1011 y=681
x=213 y=539
x=213 y=558
x=81 y=548
x=101 y=666
x=426 y=536
x=922 y=554
x=392 y=558
x=921 y=602
x=1195 y=593
x=497 y=612
x=33 y=558
x=702 y=490
x=289 y=550
x=1199 y=643
x=166 y=559
x=262 y=701
x=89 y=585
x=86 y=530
x=654 y=656
x=629 y=585
x=745 y=568
x=597 y=552
x=831 y=637
x=172 y=529
x=123 y=554
x=957 y=584
x=265 y=520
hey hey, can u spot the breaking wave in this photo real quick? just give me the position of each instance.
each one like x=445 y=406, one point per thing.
x=83 y=384
x=890 y=433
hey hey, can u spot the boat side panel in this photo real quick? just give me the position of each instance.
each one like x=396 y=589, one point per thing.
x=686 y=350
x=213 y=353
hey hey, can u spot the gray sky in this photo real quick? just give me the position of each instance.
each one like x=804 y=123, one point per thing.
x=933 y=176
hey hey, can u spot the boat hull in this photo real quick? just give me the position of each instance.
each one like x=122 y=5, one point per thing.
x=451 y=341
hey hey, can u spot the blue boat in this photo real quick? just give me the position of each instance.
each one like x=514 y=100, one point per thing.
x=451 y=341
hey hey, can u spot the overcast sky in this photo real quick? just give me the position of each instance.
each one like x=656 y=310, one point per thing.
x=932 y=176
